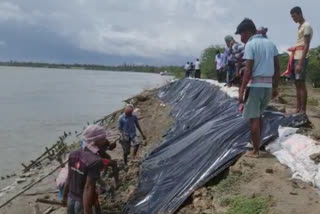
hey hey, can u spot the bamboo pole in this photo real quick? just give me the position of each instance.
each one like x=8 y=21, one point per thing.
x=30 y=186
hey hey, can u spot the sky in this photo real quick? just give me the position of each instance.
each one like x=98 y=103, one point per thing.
x=157 y=32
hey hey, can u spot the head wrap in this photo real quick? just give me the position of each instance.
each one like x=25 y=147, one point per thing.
x=92 y=134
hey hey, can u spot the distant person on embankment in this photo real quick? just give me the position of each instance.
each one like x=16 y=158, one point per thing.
x=197 y=69
x=219 y=60
x=84 y=167
x=187 y=69
x=298 y=61
x=127 y=127
x=260 y=81
x=192 y=69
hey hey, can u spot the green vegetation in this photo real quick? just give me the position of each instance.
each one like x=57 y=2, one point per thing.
x=227 y=195
x=208 y=69
x=174 y=70
x=226 y=185
x=244 y=205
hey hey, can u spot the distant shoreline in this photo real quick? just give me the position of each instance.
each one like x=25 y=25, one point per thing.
x=125 y=67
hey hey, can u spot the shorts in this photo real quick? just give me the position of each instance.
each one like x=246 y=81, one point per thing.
x=303 y=74
x=126 y=142
x=257 y=102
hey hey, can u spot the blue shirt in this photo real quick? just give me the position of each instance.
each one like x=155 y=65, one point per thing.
x=262 y=51
x=128 y=124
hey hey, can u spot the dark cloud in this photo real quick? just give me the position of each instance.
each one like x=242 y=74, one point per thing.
x=136 y=31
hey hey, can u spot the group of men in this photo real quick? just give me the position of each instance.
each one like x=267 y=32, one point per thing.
x=230 y=64
x=192 y=69
x=85 y=165
x=257 y=66
x=256 y=62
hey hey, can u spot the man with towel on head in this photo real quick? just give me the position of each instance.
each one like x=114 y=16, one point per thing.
x=84 y=167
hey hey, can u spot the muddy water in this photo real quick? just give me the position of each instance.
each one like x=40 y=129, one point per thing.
x=37 y=105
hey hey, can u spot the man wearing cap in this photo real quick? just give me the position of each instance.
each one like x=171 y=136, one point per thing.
x=260 y=81
x=127 y=127
x=235 y=53
x=263 y=31
x=84 y=167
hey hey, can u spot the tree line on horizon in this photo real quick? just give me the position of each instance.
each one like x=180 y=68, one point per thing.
x=207 y=58
x=124 y=67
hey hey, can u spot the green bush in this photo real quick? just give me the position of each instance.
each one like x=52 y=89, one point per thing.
x=208 y=69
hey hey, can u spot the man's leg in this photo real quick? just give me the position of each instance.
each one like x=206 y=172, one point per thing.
x=255 y=134
x=197 y=74
x=115 y=172
x=135 y=151
x=298 y=94
x=126 y=150
x=228 y=76
x=78 y=207
x=71 y=206
x=256 y=103
x=135 y=146
x=303 y=96
x=220 y=79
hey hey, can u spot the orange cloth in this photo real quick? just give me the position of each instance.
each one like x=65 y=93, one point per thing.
x=288 y=72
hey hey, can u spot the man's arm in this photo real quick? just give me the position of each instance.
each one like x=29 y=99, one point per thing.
x=88 y=195
x=246 y=78
x=276 y=77
x=307 y=40
x=139 y=128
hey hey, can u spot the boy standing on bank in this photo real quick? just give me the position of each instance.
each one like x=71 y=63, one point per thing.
x=300 y=58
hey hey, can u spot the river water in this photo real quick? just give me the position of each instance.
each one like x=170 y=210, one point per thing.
x=37 y=105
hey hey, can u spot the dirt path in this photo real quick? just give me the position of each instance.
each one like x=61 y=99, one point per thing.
x=255 y=186
x=287 y=102
x=262 y=186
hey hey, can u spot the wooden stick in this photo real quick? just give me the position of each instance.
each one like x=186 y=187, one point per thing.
x=34 y=163
x=45 y=201
x=30 y=186
x=49 y=210
x=40 y=193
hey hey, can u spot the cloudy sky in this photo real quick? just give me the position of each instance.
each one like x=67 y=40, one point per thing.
x=137 y=31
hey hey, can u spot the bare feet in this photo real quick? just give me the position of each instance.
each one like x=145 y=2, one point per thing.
x=252 y=154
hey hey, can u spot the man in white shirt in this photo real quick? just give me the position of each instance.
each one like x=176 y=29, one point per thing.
x=197 y=69
x=187 y=69
x=219 y=65
x=298 y=65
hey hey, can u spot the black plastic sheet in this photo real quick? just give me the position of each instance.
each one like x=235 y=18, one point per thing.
x=208 y=136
